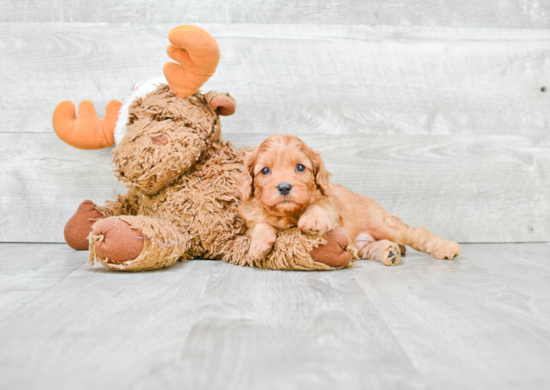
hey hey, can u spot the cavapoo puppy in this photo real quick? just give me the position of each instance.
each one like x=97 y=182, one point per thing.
x=284 y=184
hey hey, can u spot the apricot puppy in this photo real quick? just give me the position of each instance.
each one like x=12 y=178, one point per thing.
x=284 y=184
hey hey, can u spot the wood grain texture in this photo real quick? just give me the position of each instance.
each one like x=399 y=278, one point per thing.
x=44 y=181
x=425 y=324
x=300 y=79
x=461 y=323
x=502 y=13
x=27 y=270
x=465 y=188
x=525 y=271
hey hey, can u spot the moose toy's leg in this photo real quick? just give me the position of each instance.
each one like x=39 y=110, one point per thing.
x=384 y=251
x=79 y=226
x=297 y=251
x=334 y=253
x=136 y=243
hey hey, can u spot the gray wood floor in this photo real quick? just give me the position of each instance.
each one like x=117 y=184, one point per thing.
x=481 y=321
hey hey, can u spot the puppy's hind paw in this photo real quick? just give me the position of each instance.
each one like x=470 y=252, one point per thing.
x=391 y=255
x=446 y=250
x=384 y=251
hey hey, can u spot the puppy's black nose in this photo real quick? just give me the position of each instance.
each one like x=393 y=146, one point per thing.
x=284 y=188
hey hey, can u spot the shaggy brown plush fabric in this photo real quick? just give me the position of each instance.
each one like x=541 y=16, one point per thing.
x=181 y=177
x=163 y=245
x=182 y=195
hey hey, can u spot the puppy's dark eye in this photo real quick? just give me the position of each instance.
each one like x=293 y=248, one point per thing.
x=300 y=168
x=265 y=171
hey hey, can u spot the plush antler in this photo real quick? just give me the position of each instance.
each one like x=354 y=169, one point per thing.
x=198 y=55
x=87 y=131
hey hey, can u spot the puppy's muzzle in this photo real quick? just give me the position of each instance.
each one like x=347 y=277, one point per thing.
x=284 y=188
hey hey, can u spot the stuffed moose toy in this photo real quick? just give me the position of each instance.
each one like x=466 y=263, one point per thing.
x=181 y=177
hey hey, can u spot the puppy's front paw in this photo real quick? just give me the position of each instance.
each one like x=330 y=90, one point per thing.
x=259 y=248
x=314 y=224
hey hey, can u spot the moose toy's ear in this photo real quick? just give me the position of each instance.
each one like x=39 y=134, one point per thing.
x=222 y=103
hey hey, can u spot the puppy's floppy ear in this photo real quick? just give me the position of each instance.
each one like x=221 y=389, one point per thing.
x=322 y=176
x=245 y=185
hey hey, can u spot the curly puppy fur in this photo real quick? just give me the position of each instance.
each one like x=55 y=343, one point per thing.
x=285 y=184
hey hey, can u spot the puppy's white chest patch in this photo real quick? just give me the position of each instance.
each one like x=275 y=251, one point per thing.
x=363 y=239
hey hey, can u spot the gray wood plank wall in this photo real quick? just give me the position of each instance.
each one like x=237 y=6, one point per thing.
x=471 y=13
x=433 y=108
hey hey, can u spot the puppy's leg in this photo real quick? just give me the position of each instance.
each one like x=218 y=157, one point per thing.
x=262 y=239
x=403 y=250
x=315 y=220
x=384 y=251
x=418 y=238
x=421 y=239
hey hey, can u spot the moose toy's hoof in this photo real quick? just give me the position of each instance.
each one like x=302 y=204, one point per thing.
x=120 y=242
x=80 y=225
x=333 y=253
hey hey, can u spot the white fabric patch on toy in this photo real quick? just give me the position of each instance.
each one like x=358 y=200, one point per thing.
x=138 y=90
